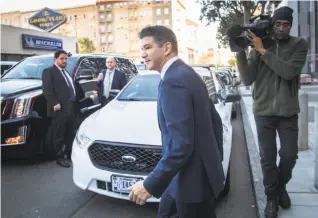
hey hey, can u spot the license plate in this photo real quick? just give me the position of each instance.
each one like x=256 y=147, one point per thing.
x=121 y=184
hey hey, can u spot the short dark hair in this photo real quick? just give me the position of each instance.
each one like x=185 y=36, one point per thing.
x=161 y=35
x=59 y=52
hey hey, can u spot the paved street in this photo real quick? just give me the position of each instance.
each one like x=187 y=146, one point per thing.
x=43 y=189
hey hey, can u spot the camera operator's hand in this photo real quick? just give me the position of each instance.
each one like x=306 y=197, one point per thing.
x=257 y=42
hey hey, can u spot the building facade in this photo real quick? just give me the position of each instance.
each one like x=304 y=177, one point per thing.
x=113 y=26
x=305 y=25
x=28 y=42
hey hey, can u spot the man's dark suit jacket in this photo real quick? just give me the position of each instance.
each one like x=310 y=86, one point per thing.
x=55 y=90
x=191 y=156
x=119 y=81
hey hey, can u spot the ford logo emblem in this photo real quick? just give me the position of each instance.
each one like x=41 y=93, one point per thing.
x=128 y=158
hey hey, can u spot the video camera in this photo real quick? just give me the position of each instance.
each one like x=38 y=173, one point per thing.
x=260 y=27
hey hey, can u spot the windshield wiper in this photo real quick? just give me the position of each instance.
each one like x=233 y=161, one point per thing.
x=129 y=99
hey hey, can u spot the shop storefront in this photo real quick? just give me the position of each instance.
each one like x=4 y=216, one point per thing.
x=18 y=43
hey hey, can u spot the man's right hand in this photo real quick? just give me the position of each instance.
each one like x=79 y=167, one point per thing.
x=57 y=107
x=100 y=77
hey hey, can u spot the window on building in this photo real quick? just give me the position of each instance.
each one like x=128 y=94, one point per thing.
x=167 y=22
x=110 y=38
x=159 y=22
x=102 y=16
x=101 y=7
x=102 y=28
x=166 y=10
x=103 y=39
x=158 y=11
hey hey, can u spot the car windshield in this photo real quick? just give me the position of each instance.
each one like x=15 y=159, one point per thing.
x=32 y=68
x=141 y=88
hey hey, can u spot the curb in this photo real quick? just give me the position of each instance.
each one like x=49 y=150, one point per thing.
x=255 y=165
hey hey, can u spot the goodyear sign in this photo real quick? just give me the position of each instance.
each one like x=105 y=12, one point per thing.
x=47 y=19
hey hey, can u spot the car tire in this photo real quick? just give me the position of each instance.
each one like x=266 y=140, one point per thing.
x=47 y=146
x=234 y=110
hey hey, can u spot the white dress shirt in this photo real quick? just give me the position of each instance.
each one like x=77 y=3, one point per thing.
x=68 y=78
x=167 y=65
x=111 y=75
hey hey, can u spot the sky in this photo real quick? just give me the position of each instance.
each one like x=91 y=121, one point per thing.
x=27 y=5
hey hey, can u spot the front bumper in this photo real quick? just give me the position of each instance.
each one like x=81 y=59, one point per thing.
x=87 y=177
x=20 y=132
x=15 y=131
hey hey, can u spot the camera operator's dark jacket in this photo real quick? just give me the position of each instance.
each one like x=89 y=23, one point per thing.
x=275 y=76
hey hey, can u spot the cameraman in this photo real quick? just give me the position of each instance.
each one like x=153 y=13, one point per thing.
x=275 y=73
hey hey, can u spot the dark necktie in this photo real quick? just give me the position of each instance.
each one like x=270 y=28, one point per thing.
x=70 y=87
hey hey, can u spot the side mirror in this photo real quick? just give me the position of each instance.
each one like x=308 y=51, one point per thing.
x=233 y=98
x=114 y=92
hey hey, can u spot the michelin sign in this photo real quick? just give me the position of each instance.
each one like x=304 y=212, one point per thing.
x=41 y=43
x=47 y=19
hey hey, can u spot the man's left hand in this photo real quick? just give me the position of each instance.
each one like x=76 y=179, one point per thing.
x=138 y=193
x=257 y=42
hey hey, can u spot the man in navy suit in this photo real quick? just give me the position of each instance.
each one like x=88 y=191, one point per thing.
x=190 y=169
x=110 y=79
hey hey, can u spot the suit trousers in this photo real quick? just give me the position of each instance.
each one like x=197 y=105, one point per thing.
x=169 y=207
x=63 y=128
x=276 y=177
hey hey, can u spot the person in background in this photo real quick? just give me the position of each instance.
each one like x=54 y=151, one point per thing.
x=274 y=73
x=109 y=79
x=60 y=94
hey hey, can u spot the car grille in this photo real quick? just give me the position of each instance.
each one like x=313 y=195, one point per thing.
x=113 y=157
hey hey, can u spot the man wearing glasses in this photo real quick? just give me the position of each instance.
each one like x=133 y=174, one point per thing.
x=275 y=73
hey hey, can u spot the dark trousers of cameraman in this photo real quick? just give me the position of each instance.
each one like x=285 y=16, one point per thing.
x=276 y=177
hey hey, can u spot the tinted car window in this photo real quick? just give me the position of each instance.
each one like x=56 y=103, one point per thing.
x=143 y=88
x=5 y=67
x=209 y=82
x=127 y=66
x=33 y=67
x=88 y=67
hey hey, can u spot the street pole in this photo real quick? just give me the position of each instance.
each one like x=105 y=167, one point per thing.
x=316 y=147
x=75 y=17
x=303 y=121
x=247 y=15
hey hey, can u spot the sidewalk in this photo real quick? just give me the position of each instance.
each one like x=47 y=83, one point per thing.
x=301 y=188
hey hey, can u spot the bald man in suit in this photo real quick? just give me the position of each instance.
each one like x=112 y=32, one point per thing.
x=109 y=79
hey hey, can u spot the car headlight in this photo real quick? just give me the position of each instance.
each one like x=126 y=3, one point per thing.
x=82 y=140
x=22 y=105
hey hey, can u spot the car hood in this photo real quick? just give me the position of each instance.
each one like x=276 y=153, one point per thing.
x=125 y=122
x=133 y=122
x=15 y=86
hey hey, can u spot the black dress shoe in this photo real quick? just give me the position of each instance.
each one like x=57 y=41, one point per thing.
x=271 y=209
x=63 y=163
x=284 y=199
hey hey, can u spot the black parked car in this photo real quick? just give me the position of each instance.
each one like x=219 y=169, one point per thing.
x=24 y=124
